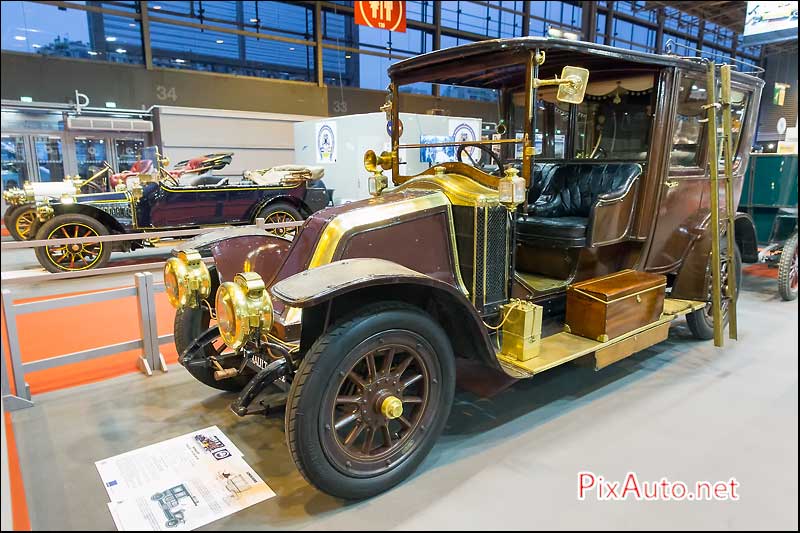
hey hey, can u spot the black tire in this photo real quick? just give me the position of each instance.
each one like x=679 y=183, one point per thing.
x=701 y=322
x=280 y=212
x=64 y=225
x=787 y=270
x=11 y=219
x=324 y=372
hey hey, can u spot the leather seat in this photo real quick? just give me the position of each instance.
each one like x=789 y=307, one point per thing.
x=561 y=214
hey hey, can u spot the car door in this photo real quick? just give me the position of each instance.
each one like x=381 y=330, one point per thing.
x=686 y=183
x=178 y=206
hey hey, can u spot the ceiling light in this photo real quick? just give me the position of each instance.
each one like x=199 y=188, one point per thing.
x=219 y=41
x=111 y=104
x=37 y=45
x=111 y=39
x=348 y=56
x=132 y=25
x=177 y=60
x=26 y=99
x=253 y=20
x=156 y=7
x=120 y=50
x=92 y=53
x=291 y=48
x=19 y=38
x=554 y=32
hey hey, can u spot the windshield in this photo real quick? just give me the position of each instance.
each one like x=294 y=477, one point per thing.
x=614 y=122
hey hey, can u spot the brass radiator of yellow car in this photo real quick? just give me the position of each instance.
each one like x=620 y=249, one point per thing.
x=482 y=238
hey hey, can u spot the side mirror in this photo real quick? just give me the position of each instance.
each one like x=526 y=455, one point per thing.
x=574 y=90
x=571 y=84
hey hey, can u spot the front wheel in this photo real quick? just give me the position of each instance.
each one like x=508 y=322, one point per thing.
x=787 y=270
x=72 y=257
x=369 y=400
x=701 y=322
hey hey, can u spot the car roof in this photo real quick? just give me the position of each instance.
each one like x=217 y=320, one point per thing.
x=500 y=63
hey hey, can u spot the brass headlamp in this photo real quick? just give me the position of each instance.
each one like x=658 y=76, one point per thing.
x=244 y=308
x=15 y=196
x=186 y=279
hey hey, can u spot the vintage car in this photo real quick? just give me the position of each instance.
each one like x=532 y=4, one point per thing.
x=164 y=201
x=769 y=196
x=20 y=215
x=581 y=234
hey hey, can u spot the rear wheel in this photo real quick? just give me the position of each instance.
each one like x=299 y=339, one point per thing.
x=281 y=213
x=787 y=270
x=20 y=221
x=72 y=257
x=369 y=400
x=701 y=322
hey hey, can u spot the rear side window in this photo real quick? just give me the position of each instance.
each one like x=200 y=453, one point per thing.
x=687 y=141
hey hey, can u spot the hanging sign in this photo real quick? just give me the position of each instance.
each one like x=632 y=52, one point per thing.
x=383 y=15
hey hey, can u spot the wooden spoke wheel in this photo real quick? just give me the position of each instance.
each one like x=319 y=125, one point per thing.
x=72 y=257
x=701 y=322
x=369 y=400
x=23 y=223
x=281 y=213
x=380 y=403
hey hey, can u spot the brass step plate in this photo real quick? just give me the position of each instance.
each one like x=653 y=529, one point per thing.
x=564 y=347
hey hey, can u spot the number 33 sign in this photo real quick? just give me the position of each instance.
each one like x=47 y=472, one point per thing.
x=384 y=15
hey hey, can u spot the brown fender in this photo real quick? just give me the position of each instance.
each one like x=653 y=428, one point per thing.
x=340 y=288
x=240 y=249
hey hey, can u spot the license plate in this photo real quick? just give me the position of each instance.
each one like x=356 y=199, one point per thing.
x=259 y=362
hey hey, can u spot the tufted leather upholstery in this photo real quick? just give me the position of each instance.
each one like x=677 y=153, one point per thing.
x=561 y=211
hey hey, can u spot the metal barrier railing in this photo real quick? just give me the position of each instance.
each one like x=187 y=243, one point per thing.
x=151 y=358
x=145 y=289
x=28 y=276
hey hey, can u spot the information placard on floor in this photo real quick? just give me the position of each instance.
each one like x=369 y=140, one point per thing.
x=181 y=483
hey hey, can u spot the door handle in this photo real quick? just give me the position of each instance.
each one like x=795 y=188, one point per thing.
x=671 y=184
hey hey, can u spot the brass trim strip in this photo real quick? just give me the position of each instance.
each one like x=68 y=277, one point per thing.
x=343 y=225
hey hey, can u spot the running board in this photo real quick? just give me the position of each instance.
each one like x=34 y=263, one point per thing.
x=565 y=347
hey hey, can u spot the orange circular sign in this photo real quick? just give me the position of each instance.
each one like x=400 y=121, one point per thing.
x=382 y=15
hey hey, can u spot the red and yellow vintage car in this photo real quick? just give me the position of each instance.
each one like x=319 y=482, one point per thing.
x=581 y=233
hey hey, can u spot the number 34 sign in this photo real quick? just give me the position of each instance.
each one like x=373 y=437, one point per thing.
x=384 y=15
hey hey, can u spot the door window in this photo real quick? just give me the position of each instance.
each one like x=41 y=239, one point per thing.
x=15 y=168
x=687 y=141
x=49 y=157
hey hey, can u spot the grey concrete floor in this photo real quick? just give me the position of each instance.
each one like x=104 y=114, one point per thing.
x=683 y=410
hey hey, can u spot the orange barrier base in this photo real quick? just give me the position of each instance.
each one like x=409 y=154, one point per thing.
x=61 y=331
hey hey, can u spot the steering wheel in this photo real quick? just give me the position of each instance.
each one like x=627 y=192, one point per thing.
x=169 y=178
x=462 y=149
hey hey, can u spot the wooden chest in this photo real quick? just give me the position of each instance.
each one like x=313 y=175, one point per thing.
x=609 y=306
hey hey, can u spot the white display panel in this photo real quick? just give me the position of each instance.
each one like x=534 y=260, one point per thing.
x=769 y=22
